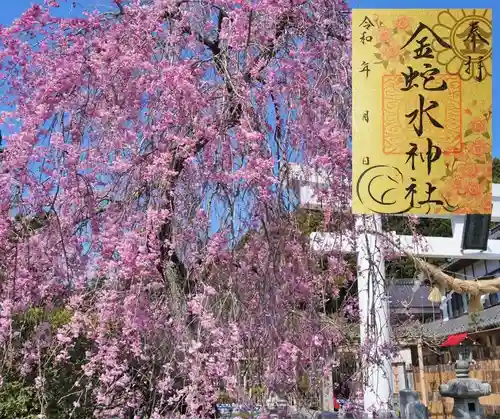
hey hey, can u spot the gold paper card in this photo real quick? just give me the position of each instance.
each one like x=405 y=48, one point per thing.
x=422 y=96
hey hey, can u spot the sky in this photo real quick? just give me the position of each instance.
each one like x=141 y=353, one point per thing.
x=11 y=9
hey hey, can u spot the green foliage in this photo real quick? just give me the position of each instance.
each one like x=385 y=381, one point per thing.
x=496 y=170
x=244 y=240
x=258 y=391
x=303 y=383
x=427 y=226
x=56 y=318
x=242 y=415
x=25 y=226
x=309 y=221
x=17 y=398
x=225 y=398
x=60 y=317
x=18 y=395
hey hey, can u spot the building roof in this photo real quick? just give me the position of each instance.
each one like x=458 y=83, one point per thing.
x=403 y=297
x=486 y=319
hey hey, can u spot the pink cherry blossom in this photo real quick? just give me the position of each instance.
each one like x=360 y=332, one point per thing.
x=152 y=143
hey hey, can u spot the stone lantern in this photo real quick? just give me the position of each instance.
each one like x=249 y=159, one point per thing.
x=463 y=389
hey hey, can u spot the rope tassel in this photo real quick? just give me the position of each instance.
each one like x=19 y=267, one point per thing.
x=475 y=304
x=436 y=294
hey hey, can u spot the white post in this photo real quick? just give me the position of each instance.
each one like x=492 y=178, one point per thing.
x=327 y=393
x=423 y=387
x=444 y=308
x=374 y=311
x=401 y=369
